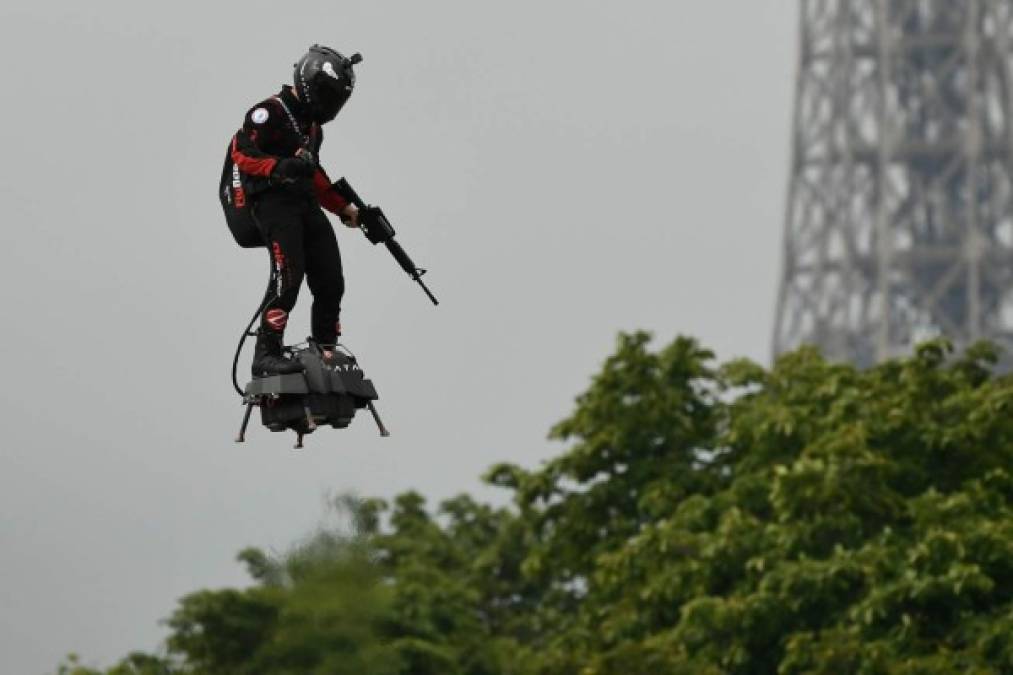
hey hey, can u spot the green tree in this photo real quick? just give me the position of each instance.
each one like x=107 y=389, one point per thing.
x=315 y=610
x=837 y=521
x=703 y=519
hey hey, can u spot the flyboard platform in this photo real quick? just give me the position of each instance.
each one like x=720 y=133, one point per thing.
x=328 y=393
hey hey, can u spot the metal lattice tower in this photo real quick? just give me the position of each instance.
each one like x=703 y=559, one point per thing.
x=900 y=204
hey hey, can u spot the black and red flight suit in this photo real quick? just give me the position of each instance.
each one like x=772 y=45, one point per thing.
x=300 y=238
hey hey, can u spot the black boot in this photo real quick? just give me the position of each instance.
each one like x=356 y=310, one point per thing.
x=267 y=358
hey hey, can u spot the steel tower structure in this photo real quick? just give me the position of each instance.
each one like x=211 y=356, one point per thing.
x=899 y=218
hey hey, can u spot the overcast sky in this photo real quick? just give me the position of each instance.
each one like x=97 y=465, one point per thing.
x=566 y=170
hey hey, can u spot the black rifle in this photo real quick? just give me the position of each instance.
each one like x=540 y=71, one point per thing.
x=379 y=231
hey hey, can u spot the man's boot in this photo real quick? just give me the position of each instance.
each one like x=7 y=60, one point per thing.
x=267 y=358
x=327 y=354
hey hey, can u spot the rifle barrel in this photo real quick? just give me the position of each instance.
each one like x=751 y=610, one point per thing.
x=349 y=193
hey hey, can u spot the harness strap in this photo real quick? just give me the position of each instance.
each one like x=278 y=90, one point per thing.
x=291 y=118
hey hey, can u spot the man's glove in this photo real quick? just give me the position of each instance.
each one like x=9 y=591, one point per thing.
x=293 y=168
x=350 y=215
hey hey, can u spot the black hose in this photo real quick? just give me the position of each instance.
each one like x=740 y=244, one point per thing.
x=246 y=331
x=268 y=297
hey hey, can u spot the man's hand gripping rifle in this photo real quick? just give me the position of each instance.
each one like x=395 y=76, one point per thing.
x=379 y=231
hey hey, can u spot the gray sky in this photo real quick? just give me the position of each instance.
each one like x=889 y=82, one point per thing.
x=566 y=170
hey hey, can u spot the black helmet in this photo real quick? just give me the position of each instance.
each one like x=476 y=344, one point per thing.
x=324 y=81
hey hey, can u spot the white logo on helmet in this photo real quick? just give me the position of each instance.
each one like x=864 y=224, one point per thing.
x=259 y=116
x=328 y=68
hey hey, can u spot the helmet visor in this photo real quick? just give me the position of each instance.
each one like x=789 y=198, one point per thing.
x=331 y=93
x=330 y=101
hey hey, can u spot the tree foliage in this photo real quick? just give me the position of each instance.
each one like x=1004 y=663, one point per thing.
x=808 y=518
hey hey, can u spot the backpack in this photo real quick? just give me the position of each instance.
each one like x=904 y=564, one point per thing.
x=235 y=198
